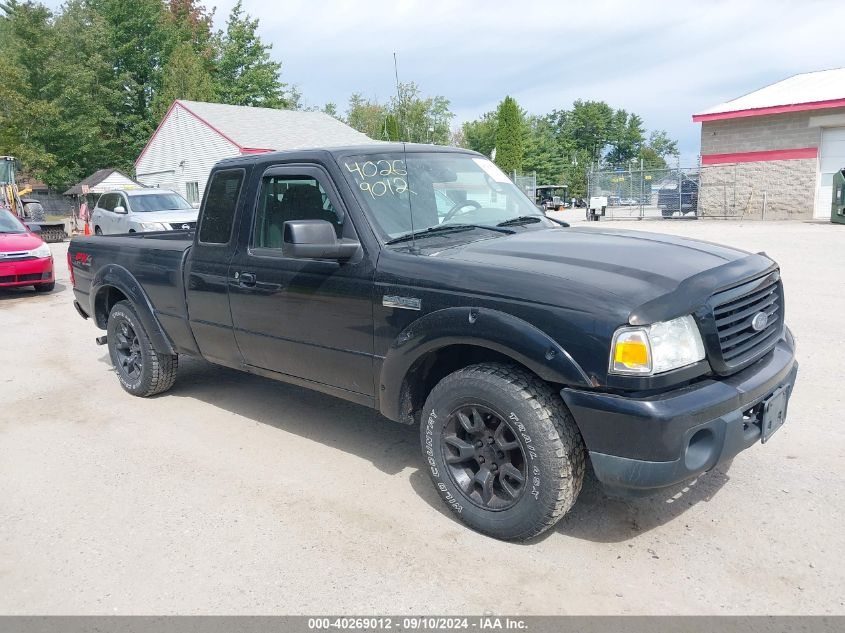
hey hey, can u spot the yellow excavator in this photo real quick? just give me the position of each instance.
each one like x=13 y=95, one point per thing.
x=27 y=209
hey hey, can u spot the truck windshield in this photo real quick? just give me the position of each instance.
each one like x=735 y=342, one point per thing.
x=409 y=193
x=10 y=224
x=158 y=202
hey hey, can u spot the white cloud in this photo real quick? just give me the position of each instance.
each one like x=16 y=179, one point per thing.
x=663 y=60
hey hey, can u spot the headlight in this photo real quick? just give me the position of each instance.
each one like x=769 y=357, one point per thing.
x=656 y=348
x=154 y=226
x=41 y=252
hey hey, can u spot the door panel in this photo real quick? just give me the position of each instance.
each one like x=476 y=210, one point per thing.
x=831 y=160
x=311 y=319
x=207 y=270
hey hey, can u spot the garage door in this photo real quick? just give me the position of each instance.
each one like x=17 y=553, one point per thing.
x=831 y=160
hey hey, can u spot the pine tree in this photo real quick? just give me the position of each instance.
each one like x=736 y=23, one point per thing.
x=185 y=77
x=391 y=128
x=510 y=133
x=245 y=73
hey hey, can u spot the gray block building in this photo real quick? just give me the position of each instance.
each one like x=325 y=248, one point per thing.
x=772 y=153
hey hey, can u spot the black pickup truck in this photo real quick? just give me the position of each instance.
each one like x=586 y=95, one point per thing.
x=419 y=281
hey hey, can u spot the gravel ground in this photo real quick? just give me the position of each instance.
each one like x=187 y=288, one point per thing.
x=234 y=494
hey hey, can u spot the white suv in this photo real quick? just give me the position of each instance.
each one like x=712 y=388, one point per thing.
x=139 y=210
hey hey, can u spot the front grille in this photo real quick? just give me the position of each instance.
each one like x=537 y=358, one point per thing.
x=15 y=257
x=13 y=279
x=180 y=226
x=734 y=312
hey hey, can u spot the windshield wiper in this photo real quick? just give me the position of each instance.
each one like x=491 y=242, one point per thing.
x=531 y=219
x=522 y=219
x=445 y=228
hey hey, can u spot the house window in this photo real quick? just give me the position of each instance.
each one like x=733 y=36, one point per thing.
x=192 y=191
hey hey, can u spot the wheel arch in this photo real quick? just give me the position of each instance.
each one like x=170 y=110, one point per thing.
x=447 y=340
x=112 y=284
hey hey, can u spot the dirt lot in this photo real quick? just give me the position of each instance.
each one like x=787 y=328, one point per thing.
x=235 y=494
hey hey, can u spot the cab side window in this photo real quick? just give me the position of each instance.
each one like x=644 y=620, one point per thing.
x=220 y=205
x=286 y=198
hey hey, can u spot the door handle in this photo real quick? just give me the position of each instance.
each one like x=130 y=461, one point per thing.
x=246 y=279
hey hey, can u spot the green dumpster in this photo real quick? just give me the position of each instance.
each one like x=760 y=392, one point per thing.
x=837 y=206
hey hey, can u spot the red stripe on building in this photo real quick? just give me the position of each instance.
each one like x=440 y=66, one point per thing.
x=796 y=107
x=752 y=157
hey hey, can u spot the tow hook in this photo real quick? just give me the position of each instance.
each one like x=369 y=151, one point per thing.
x=101 y=340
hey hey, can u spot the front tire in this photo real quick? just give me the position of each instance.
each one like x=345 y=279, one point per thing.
x=142 y=370
x=502 y=450
x=45 y=287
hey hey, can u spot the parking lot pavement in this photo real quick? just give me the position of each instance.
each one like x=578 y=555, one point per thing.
x=235 y=494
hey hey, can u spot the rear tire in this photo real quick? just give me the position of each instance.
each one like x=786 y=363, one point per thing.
x=142 y=370
x=98 y=230
x=502 y=450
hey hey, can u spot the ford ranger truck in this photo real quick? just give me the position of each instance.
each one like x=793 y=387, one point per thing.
x=419 y=281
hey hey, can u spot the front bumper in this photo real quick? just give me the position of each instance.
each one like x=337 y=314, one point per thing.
x=26 y=272
x=660 y=440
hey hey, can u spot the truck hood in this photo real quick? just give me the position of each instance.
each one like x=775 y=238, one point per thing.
x=636 y=268
x=188 y=215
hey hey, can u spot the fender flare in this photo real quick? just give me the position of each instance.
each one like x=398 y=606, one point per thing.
x=480 y=327
x=118 y=277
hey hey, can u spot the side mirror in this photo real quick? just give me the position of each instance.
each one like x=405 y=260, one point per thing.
x=34 y=228
x=120 y=209
x=316 y=239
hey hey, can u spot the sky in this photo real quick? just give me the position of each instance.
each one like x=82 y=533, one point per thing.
x=662 y=60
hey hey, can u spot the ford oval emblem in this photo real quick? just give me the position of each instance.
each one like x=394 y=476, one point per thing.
x=759 y=322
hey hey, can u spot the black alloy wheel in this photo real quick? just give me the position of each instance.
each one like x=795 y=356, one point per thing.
x=130 y=361
x=484 y=457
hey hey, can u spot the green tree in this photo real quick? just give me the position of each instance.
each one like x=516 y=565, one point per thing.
x=135 y=42
x=658 y=149
x=185 y=77
x=88 y=133
x=545 y=154
x=420 y=119
x=480 y=135
x=510 y=132
x=189 y=22
x=391 y=128
x=366 y=116
x=26 y=112
x=245 y=73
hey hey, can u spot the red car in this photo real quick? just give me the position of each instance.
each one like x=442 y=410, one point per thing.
x=25 y=260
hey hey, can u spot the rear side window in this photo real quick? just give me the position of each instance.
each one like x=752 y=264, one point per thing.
x=106 y=202
x=220 y=204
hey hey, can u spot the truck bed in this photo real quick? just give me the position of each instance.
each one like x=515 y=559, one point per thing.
x=154 y=259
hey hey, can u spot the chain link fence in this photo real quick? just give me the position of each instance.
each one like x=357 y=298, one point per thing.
x=527 y=183
x=646 y=193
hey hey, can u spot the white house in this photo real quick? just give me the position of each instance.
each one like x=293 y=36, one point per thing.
x=101 y=181
x=194 y=135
